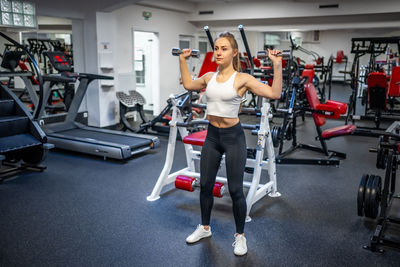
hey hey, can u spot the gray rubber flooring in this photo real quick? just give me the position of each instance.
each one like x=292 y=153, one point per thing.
x=83 y=211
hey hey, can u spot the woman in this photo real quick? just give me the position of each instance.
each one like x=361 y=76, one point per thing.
x=224 y=91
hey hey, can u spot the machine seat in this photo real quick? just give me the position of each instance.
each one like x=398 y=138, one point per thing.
x=196 y=138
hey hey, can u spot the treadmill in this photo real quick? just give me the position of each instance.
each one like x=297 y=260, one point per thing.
x=74 y=136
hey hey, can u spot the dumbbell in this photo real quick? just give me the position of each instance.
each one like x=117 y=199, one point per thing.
x=285 y=54
x=177 y=51
x=188 y=183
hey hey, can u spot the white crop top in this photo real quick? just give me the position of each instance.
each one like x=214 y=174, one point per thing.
x=222 y=98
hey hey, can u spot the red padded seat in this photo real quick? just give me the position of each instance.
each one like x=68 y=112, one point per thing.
x=196 y=138
x=339 y=56
x=308 y=73
x=338 y=131
x=394 y=89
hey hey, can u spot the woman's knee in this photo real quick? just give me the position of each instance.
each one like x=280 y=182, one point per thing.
x=236 y=193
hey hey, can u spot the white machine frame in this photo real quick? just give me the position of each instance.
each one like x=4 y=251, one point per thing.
x=256 y=190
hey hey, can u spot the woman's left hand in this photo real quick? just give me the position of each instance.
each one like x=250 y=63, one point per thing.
x=273 y=55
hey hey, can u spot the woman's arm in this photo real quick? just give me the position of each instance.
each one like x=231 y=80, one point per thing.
x=264 y=90
x=187 y=81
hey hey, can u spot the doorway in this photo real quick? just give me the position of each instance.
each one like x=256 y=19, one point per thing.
x=146 y=68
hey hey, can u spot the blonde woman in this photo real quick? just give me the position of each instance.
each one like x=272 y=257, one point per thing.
x=224 y=91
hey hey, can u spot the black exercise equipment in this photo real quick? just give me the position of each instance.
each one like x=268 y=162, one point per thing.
x=377 y=199
x=372 y=46
x=23 y=145
x=331 y=109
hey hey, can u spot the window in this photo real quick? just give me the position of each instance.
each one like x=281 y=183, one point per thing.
x=272 y=40
x=184 y=44
x=139 y=67
x=203 y=47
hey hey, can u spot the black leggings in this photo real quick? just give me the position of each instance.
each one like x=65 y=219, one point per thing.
x=232 y=142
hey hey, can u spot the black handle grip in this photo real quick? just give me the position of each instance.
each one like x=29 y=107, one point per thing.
x=207 y=30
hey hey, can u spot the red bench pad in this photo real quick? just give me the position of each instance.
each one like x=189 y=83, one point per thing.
x=394 y=89
x=338 y=131
x=196 y=138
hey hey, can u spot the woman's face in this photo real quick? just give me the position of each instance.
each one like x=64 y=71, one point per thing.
x=223 y=51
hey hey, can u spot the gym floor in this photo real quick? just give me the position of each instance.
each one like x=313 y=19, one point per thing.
x=83 y=211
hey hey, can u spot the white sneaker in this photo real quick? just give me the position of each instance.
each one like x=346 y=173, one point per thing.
x=240 y=245
x=198 y=234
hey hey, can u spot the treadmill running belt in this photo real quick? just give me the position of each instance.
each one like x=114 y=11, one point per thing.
x=132 y=141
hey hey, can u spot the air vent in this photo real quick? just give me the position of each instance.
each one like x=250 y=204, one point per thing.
x=329 y=6
x=316 y=35
x=206 y=12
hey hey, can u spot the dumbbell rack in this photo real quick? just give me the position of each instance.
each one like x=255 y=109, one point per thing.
x=256 y=190
x=373 y=200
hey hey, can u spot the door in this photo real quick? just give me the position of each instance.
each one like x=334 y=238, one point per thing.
x=145 y=62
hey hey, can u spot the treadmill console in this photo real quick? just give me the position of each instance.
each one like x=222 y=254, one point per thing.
x=59 y=61
x=11 y=59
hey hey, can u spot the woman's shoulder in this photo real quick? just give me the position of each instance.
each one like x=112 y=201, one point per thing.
x=207 y=76
x=243 y=76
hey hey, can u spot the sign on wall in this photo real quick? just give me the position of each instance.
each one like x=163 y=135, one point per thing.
x=17 y=13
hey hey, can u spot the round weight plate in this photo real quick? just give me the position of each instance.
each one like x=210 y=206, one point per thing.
x=375 y=196
x=361 y=195
x=275 y=136
x=367 y=199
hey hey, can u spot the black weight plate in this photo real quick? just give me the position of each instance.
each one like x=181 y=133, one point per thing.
x=367 y=199
x=375 y=196
x=275 y=136
x=361 y=194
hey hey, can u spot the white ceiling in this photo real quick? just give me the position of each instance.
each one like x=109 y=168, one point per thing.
x=190 y=8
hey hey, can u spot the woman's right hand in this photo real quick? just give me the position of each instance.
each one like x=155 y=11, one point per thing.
x=185 y=53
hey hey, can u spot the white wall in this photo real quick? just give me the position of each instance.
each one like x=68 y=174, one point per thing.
x=117 y=29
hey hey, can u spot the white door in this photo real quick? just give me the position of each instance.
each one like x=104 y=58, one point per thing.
x=146 y=67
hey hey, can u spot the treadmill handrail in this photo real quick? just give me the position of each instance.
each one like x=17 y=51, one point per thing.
x=57 y=78
x=15 y=74
x=92 y=76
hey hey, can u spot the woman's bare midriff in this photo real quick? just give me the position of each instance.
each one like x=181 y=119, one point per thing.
x=222 y=122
